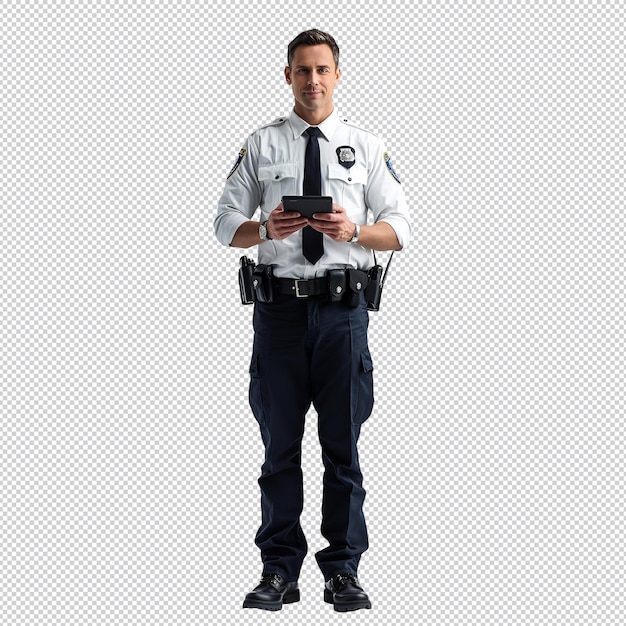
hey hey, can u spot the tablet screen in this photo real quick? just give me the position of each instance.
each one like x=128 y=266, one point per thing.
x=308 y=205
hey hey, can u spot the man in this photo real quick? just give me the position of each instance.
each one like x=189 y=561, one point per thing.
x=310 y=341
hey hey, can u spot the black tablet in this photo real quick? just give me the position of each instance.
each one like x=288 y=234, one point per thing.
x=308 y=205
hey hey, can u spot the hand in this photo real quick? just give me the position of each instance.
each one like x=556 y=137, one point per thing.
x=336 y=225
x=281 y=223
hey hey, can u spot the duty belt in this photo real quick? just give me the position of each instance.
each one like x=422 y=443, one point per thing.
x=335 y=285
x=257 y=283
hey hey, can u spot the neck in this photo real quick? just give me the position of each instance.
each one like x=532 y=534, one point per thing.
x=313 y=118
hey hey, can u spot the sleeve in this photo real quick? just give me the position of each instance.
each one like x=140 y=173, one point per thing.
x=385 y=198
x=241 y=196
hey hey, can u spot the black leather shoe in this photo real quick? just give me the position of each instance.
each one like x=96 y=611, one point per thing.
x=272 y=592
x=345 y=593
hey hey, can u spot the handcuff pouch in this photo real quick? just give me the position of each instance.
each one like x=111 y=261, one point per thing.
x=336 y=285
x=357 y=282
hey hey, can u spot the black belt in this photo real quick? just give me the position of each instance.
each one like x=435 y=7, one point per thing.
x=301 y=288
x=335 y=285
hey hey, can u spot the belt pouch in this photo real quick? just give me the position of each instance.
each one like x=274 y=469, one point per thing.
x=263 y=283
x=336 y=285
x=374 y=288
x=357 y=281
x=245 y=280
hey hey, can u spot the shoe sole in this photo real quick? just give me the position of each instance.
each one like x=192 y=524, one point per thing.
x=288 y=598
x=347 y=606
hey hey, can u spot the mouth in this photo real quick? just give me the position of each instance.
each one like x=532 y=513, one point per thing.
x=312 y=94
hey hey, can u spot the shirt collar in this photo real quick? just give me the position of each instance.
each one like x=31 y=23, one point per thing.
x=328 y=126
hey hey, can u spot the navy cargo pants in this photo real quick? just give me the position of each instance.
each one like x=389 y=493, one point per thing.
x=311 y=351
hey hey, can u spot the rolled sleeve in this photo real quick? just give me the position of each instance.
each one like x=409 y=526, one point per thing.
x=240 y=199
x=401 y=227
x=386 y=200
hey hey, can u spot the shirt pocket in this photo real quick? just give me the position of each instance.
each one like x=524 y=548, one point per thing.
x=347 y=189
x=356 y=175
x=278 y=180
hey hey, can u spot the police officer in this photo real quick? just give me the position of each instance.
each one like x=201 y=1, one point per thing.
x=310 y=341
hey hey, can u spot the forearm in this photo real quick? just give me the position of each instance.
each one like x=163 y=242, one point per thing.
x=379 y=236
x=247 y=235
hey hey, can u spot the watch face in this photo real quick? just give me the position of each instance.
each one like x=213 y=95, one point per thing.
x=263 y=232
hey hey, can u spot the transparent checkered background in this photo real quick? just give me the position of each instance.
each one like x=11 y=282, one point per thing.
x=494 y=459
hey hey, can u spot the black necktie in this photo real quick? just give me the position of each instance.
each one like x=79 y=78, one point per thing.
x=312 y=242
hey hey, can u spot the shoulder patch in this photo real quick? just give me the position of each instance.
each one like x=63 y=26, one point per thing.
x=390 y=167
x=242 y=154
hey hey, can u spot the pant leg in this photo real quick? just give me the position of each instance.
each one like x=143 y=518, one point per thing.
x=341 y=374
x=280 y=398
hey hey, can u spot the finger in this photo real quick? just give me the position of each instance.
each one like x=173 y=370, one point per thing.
x=323 y=217
x=285 y=228
x=288 y=215
x=295 y=223
x=319 y=226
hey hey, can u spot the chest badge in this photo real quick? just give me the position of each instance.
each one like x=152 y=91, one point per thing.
x=346 y=156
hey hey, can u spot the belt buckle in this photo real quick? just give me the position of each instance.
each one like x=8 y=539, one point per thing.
x=297 y=288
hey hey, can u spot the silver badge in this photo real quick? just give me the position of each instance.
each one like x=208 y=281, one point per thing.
x=346 y=156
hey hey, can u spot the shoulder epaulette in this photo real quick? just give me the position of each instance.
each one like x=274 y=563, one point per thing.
x=277 y=122
x=349 y=122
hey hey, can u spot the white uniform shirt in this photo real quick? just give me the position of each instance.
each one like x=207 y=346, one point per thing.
x=271 y=165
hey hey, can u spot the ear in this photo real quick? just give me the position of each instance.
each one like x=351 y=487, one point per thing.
x=288 y=75
x=337 y=75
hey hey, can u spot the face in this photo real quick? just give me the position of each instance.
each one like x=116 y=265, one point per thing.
x=313 y=77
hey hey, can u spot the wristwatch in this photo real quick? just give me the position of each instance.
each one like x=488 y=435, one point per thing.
x=263 y=232
x=355 y=237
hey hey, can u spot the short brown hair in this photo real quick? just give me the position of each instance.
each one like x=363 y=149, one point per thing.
x=313 y=37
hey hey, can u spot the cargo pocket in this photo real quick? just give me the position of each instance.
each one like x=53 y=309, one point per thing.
x=365 y=402
x=255 y=393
